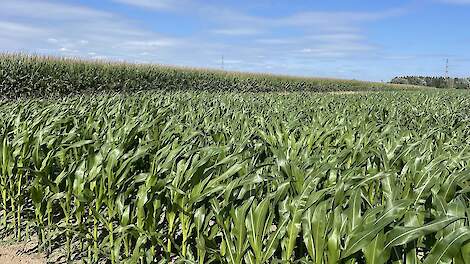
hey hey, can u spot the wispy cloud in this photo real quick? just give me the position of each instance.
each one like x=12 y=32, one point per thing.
x=237 y=31
x=336 y=37
x=314 y=20
x=313 y=34
x=82 y=31
x=49 y=10
x=338 y=50
x=341 y=17
x=320 y=32
x=313 y=42
x=153 y=4
x=276 y=41
x=145 y=45
x=12 y=29
x=457 y=2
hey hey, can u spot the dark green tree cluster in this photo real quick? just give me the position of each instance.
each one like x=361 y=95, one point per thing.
x=438 y=82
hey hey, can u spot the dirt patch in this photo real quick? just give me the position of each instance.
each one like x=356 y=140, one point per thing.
x=20 y=253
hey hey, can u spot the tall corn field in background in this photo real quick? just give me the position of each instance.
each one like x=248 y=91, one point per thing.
x=32 y=76
x=226 y=177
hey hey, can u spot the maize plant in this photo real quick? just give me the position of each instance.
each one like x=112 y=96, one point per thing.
x=229 y=177
x=33 y=76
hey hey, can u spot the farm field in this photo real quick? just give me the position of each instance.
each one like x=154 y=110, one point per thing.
x=226 y=177
x=35 y=76
x=234 y=132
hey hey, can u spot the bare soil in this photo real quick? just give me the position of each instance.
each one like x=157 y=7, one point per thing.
x=20 y=253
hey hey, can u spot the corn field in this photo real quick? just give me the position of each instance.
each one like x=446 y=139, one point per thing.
x=196 y=177
x=32 y=76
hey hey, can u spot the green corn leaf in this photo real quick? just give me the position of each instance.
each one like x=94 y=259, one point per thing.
x=401 y=235
x=449 y=246
x=360 y=237
x=376 y=252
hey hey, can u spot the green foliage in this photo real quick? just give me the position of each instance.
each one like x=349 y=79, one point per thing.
x=437 y=82
x=32 y=76
x=198 y=177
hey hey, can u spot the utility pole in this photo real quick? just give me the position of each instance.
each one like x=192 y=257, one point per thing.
x=222 y=62
x=447 y=68
x=450 y=83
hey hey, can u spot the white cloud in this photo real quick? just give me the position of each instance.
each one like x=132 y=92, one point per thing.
x=52 y=40
x=67 y=50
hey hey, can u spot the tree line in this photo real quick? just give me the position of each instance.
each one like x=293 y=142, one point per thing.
x=439 y=82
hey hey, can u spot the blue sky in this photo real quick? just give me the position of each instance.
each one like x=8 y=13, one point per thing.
x=359 y=39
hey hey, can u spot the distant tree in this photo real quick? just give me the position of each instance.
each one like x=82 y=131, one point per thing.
x=438 y=82
x=400 y=80
x=462 y=83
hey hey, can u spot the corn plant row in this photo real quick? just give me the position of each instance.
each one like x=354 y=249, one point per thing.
x=188 y=177
x=27 y=76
